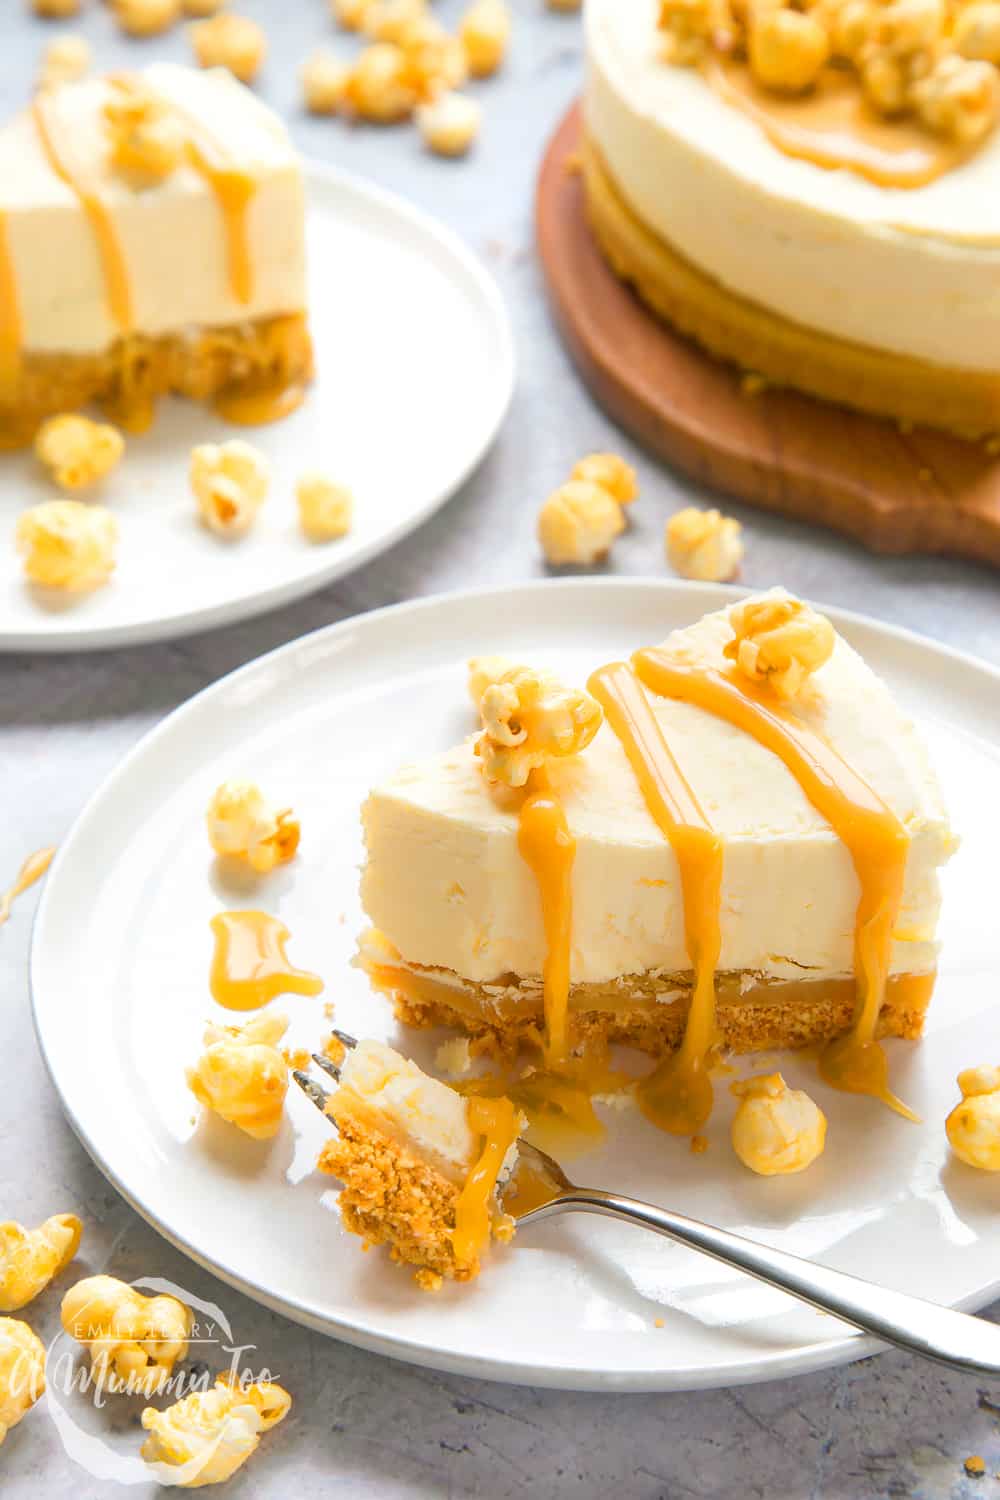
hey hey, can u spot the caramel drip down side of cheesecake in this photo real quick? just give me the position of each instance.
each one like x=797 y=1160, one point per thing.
x=874 y=836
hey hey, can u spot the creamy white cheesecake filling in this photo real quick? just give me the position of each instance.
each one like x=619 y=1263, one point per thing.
x=172 y=233
x=445 y=882
x=423 y=1111
x=915 y=271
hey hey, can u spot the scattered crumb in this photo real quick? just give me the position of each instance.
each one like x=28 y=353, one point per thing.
x=504 y=1229
x=334 y=1049
x=699 y=1144
x=752 y=384
x=453 y=1058
x=328 y=1010
x=975 y=1466
x=296 y=1057
x=658 y=1323
x=427 y=1281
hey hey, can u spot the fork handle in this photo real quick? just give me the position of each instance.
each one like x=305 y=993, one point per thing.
x=938 y=1333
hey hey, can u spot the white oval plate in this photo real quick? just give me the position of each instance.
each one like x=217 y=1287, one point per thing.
x=415 y=369
x=119 y=976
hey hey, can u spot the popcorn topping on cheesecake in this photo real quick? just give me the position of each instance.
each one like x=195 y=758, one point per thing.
x=779 y=640
x=530 y=718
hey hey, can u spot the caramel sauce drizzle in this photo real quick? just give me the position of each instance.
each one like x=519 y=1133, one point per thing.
x=496 y=1122
x=33 y=869
x=10 y=315
x=876 y=840
x=549 y=849
x=833 y=127
x=250 y=965
x=116 y=280
x=233 y=188
x=677 y=1095
x=259 y=407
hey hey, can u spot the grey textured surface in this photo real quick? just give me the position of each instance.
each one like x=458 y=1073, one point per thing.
x=363 y=1425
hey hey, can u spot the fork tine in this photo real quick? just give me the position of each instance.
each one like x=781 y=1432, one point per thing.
x=345 y=1037
x=328 y=1065
x=312 y=1090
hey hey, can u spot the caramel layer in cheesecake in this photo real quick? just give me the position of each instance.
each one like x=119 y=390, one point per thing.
x=650 y=1011
x=264 y=359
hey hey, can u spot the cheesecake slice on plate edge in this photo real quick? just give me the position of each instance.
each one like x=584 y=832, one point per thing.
x=151 y=241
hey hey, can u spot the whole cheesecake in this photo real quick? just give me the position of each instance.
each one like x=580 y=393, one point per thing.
x=801 y=233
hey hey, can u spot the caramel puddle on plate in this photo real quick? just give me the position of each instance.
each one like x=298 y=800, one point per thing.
x=33 y=869
x=250 y=965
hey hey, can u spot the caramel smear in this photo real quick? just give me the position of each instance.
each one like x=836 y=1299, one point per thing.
x=258 y=408
x=116 y=279
x=833 y=127
x=250 y=966
x=549 y=849
x=677 y=1095
x=33 y=869
x=558 y=1105
x=496 y=1122
x=876 y=840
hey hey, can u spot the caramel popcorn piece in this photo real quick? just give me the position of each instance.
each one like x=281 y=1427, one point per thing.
x=22 y=1372
x=351 y=14
x=67 y=544
x=55 y=10
x=687 y=30
x=229 y=41
x=958 y=99
x=146 y=17
x=787 y=50
x=975 y=1466
x=977 y=32
x=484 y=671
x=242 y=823
x=435 y=59
x=704 y=545
x=326 y=509
x=779 y=640
x=324 y=83
x=529 y=718
x=78 y=452
x=65 y=59
x=30 y=1258
x=230 y=482
x=776 y=1129
x=381 y=87
x=578 y=523
x=393 y=20
x=611 y=473
x=449 y=123
x=973 y=1127
x=134 y=1341
x=206 y=1436
x=242 y=1076
x=147 y=138
x=484 y=31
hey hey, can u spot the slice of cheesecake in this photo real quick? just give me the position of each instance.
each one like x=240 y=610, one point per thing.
x=151 y=240
x=420 y=1164
x=800 y=882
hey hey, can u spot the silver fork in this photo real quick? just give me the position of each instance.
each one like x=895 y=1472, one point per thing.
x=937 y=1333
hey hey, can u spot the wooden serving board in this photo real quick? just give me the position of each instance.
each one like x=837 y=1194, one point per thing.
x=918 y=491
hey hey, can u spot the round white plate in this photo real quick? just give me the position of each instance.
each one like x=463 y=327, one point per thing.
x=415 y=369
x=119 y=975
